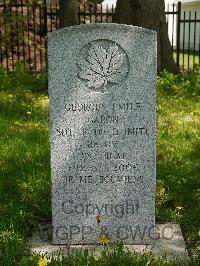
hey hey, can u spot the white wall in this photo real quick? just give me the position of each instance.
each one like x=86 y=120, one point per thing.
x=172 y=21
x=109 y=3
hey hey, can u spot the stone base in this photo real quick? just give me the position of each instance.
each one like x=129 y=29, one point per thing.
x=169 y=243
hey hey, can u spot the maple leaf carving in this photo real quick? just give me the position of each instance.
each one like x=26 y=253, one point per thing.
x=103 y=66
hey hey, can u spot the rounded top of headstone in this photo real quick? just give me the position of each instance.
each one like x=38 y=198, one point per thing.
x=102 y=26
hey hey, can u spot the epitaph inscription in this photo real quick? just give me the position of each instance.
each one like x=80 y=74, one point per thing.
x=102 y=121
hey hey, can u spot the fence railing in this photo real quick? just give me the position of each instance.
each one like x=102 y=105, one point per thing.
x=24 y=26
x=94 y=13
x=184 y=34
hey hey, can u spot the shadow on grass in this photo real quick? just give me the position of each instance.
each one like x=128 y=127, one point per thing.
x=180 y=179
x=25 y=177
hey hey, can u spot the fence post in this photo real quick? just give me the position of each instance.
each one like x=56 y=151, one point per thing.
x=45 y=18
x=45 y=29
x=178 y=34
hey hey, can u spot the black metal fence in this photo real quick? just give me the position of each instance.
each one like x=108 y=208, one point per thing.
x=24 y=25
x=184 y=34
x=94 y=13
x=23 y=29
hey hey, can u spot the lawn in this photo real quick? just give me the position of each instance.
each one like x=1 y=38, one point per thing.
x=25 y=183
x=186 y=60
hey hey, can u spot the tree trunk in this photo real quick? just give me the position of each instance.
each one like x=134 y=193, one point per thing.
x=68 y=15
x=149 y=14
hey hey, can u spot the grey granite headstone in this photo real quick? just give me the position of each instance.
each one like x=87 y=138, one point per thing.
x=102 y=119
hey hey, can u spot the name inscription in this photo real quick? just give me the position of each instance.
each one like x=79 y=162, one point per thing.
x=94 y=107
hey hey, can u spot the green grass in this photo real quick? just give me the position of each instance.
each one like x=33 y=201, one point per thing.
x=178 y=152
x=183 y=61
x=24 y=160
x=25 y=184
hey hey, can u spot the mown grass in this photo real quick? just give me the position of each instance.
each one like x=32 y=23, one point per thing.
x=187 y=60
x=25 y=184
x=24 y=160
x=178 y=152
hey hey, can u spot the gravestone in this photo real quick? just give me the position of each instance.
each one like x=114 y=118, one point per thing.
x=102 y=125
